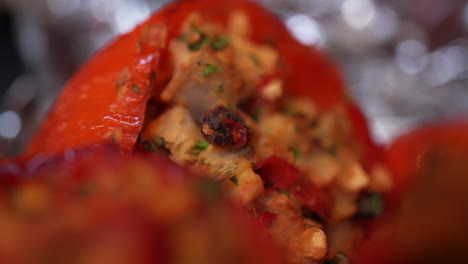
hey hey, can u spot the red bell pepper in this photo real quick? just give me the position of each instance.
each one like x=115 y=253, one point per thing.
x=106 y=99
x=429 y=168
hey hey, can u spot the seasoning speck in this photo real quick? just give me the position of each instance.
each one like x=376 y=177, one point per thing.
x=220 y=43
x=210 y=69
x=220 y=89
x=234 y=179
x=201 y=146
x=136 y=88
x=255 y=60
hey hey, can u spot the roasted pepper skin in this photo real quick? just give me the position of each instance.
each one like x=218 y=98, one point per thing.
x=423 y=160
x=99 y=104
x=106 y=99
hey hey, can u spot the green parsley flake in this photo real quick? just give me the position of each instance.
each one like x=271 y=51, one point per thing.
x=160 y=142
x=220 y=43
x=234 y=180
x=201 y=146
x=284 y=192
x=148 y=145
x=197 y=45
x=296 y=153
x=203 y=40
x=136 y=88
x=155 y=144
x=255 y=59
x=220 y=89
x=210 y=69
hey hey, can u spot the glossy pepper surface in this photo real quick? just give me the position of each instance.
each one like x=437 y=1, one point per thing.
x=106 y=99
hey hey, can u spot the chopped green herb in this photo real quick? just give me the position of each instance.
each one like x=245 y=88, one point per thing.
x=234 y=180
x=210 y=69
x=308 y=225
x=254 y=163
x=197 y=30
x=231 y=107
x=155 y=144
x=136 y=88
x=201 y=146
x=231 y=170
x=149 y=145
x=296 y=153
x=204 y=163
x=254 y=59
x=220 y=43
x=284 y=192
x=160 y=142
x=123 y=79
x=257 y=114
x=220 y=89
x=197 y=45
x=371 y=205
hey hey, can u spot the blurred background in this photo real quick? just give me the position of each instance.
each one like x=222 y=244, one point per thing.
x=405 y=61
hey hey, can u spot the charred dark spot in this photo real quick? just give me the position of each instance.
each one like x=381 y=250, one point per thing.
x=223 y=127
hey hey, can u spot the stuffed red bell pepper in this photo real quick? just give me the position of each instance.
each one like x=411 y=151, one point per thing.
x=223 y=89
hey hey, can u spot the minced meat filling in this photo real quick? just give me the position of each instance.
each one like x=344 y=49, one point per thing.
x=212 y=128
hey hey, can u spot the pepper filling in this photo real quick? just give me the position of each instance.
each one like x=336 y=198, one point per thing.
x=294 y=167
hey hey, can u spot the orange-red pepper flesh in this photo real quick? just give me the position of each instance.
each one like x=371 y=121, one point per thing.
x=91 y=111
x=416 y=180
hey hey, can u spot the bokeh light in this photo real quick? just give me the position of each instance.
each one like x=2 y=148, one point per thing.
x=306 y=30
x=10 y=124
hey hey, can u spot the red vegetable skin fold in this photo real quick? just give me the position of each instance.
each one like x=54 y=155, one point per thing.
x=426 y=214
x=106 y=99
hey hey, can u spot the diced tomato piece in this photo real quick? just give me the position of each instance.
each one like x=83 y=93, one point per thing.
x=313 y=198
x=266 y=219
x=278 y=172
